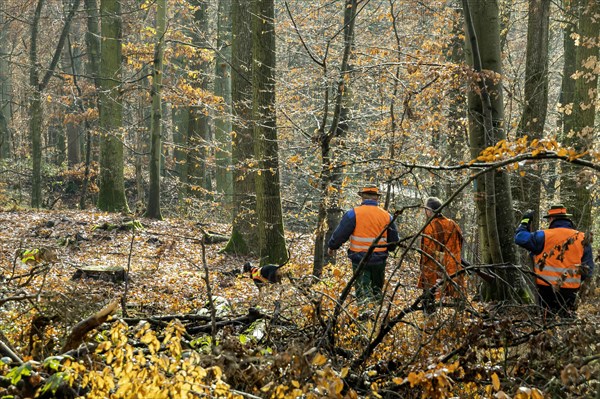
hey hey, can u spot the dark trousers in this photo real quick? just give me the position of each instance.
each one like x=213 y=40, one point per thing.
x=369 y=284
x=560 y=302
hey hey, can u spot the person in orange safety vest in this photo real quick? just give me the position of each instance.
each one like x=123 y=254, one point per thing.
x=362 y=225
x=441 y=247
x=562 y=257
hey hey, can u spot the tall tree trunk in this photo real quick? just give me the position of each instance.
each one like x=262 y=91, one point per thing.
x=153 y=209
x=266 y=148
x=486 y=114
x=527 y=188
x=330 y=183
x=223 y=89
x=112 y=185
x=5 y=86
x=244 y=236
x=579 y=125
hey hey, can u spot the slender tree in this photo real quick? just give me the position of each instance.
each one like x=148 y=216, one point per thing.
x=112 y=185
x=223 y=90
x=330 y=183
x=92 y=67
x=5 y=85
x=153 y=209
x=198 y=127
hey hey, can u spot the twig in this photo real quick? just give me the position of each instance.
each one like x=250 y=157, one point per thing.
x=124 y=297
x=206 y=278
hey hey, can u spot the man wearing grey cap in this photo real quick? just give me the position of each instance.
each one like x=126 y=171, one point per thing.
x=441 y=247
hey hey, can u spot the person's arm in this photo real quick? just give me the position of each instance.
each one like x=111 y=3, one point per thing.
x=392 y=237
x=343 y=232
x=531 y=241
x=587 y=260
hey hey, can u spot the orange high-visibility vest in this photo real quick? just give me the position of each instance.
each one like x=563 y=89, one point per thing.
x=255 y=271
x=442 y=246
x=560 y=260
x=370 y=221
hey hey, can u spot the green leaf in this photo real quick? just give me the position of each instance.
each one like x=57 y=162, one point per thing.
x=16 y=373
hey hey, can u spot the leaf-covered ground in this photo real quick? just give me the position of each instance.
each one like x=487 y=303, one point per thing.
x=274 y=345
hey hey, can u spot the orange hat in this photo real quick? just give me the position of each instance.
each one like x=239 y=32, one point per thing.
x=369 y=189
x=557 y=211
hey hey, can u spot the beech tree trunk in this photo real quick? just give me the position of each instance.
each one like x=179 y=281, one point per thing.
x=112 y=185
x=153 y=209
x=244 y=235
x=266 y=148
x=579 y=123
x=5 y=86
x=222 y=123
x=486 y=117
x=526 y=189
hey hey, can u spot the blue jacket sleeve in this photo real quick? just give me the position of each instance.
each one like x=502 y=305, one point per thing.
x=392 y=236
x=587 y=259
x=344 y=230
x=533 y=242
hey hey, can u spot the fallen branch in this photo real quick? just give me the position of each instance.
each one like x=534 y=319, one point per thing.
x=6 y=351
x=252 y=316
x=81 y=329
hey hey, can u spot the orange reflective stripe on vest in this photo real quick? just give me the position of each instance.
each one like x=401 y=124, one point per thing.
x=560 y=261
x=370 y=221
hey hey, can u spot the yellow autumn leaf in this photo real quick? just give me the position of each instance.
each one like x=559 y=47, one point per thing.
x=319 y=360
x=536 y=394
x=344 y=372
x=495 y=382
x=267 y=387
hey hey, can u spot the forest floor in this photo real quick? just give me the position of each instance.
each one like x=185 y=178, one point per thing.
x=275 y=353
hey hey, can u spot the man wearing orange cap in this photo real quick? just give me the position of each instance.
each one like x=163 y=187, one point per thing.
x=562 y=258
x=362 y=225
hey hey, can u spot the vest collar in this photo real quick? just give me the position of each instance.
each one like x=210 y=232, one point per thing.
x=370 y=202
x=561 y=223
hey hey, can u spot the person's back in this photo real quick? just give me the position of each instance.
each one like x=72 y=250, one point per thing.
x=362 y=225
x=562 y=259
x=441 y=247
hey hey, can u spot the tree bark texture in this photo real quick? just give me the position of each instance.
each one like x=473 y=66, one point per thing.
x=244 y=236
x=222 y=122
x=266 y=148
x=579 y=125
x=153 y=209
x=330 y=213
x=112 y=186
x=526 y=189
x=486 y=117
x=5 y=86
